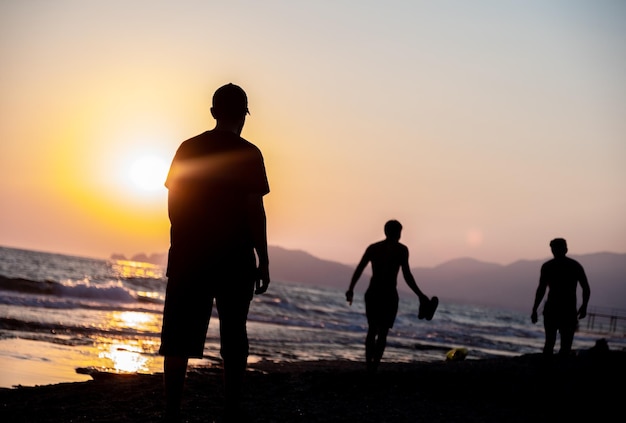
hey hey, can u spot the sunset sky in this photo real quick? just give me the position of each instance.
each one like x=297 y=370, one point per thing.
x=486 y=127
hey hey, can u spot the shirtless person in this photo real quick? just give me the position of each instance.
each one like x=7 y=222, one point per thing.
x=381 y=298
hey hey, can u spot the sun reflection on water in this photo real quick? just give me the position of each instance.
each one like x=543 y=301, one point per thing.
x=136 y=320
x=137 y=269
x=125 y=358
x=133 y=355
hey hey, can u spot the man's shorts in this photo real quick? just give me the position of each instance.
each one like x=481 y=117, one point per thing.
x=381 y=308
x=559 y=319
x=188 y=308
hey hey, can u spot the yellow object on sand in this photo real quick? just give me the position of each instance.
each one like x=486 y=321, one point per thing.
x=456 y=354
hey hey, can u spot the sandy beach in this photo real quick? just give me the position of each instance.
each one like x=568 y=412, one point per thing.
x=585 y=387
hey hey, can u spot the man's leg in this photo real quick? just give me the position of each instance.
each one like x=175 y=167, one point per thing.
x=233 y=315
x=370 y=347
x=550 y=330
x=381 y=343
x=174 y=371
x=567 y=339
x=387 y=315
x=186 y=316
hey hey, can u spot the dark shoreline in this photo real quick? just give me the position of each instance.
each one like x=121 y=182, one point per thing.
x=526 y=388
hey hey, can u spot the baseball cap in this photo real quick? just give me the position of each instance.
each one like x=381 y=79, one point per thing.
x=230 y=100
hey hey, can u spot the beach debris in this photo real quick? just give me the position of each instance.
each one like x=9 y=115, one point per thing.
x=456 y=354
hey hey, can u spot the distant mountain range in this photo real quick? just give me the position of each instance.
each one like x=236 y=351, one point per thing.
x=462 y=280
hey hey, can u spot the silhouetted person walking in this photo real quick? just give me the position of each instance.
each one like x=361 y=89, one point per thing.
x=561 y=276
x=381 y=297
x=216 y=185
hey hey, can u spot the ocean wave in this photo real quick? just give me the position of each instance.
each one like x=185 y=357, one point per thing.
x=109 y=291
x=27 y=286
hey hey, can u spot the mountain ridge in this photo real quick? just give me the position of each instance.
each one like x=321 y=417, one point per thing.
x=461 y=280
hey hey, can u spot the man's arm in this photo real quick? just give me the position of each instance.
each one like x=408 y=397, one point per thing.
x=541 y=291
x=357 y=274
x=584 y=284
x=258 y=225
x=408 y=275
x=410 y=281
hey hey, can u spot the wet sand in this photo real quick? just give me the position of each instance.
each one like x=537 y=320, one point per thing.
x=584 y=388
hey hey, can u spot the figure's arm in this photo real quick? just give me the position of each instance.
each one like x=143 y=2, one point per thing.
x=258 y=225
x=355 y=277
x=541 y=291
x=584 y=284
x=410 y=280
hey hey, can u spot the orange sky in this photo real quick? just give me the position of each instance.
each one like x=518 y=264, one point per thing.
x=486 y=129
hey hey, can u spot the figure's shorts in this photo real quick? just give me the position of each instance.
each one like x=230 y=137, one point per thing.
x=381 y=309
x=187 y=312
x=560 y=320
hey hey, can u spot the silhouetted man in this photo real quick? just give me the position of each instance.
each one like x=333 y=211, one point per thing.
x=561 y=276
x=381 y=297
x=216 y=185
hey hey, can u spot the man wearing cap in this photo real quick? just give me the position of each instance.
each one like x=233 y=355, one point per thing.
x=560 y=277
x=218 y=247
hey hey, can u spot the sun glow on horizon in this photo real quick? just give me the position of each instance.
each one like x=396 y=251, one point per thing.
x=148 y=173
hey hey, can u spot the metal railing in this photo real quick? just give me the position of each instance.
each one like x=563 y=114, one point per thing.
x=606 y=320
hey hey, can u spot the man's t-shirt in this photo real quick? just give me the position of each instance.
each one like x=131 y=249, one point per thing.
x=562 y=276
x=210 y=181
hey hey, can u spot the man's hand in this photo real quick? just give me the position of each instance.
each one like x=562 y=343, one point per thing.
x=582 y=312
x=262 y=281
x=349 y=296
x=533 y=316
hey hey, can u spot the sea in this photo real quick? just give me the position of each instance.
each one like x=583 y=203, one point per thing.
x=61 y=315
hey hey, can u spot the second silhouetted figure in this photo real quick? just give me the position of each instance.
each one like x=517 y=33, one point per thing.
x=560 y=277
x=381 y=297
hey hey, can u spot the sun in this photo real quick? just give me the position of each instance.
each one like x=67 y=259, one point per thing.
x=148 y=173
